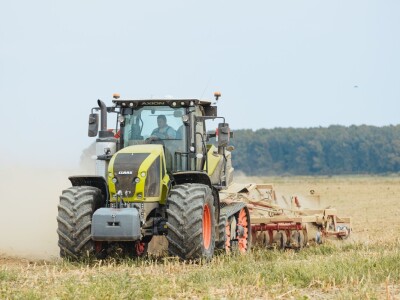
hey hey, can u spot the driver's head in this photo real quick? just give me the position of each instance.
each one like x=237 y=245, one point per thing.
x=161 y=121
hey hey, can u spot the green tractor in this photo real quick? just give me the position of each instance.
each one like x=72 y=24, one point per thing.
x=156 y=175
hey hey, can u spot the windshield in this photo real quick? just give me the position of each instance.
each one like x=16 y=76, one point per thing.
x=156 y=125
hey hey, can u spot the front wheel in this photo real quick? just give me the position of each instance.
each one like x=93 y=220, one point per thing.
x=75 y=211
x=191 y=222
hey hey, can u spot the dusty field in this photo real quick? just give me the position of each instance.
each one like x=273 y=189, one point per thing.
x=29 y=236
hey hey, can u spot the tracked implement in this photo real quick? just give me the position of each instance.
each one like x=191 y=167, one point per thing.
x=285 y=224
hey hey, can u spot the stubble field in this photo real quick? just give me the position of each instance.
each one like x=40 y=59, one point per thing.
x=366 y=266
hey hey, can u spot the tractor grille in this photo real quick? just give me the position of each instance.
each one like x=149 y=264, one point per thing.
x=126 y=167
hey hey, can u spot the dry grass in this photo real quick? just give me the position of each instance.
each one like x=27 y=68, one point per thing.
x=365 y=267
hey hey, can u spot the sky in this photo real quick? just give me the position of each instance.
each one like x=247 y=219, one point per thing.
x=298 y=63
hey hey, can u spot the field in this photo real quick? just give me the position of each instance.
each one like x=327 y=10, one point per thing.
x=367 y=266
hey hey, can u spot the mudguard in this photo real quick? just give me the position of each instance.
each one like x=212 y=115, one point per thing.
x=91 y=180
x=231 y=209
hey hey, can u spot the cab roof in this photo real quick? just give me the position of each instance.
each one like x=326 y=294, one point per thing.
x=160 y=102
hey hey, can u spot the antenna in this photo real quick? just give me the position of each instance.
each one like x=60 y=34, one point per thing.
x=205 y=88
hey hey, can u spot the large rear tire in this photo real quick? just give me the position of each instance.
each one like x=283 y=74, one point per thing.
x=191 y=222
x=75 y=211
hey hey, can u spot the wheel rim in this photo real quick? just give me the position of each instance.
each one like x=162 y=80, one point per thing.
x=206 y=226
x=243 y=238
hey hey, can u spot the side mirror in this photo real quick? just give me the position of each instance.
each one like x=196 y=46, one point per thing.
x=93 y=125
x=223 y=134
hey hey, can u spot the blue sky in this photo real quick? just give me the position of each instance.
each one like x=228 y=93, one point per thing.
x=276 y=63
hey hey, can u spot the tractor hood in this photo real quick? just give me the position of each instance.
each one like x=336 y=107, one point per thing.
x=136 y=174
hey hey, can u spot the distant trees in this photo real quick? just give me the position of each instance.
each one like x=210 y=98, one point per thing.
x=318 y=151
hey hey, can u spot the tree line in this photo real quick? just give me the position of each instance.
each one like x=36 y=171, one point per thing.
x=329 y=150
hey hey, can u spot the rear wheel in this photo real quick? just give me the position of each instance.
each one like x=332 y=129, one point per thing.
x=236 y=231
x=191 y=222
x=75 y=211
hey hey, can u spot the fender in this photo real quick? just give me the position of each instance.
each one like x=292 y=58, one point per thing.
x=192 y=177
x=94 y=181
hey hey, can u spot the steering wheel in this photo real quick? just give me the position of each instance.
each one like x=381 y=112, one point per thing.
x=154 y=140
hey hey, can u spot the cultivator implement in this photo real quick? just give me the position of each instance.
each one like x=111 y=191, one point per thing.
x=285 y=224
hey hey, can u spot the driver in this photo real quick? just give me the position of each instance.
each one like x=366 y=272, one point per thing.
x=163 y=131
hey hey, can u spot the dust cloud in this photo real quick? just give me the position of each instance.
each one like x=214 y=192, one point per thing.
x=29 y=199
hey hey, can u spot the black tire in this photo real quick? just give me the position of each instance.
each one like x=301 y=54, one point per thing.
x=75 y=211
x=220 y=243
x=190 y=208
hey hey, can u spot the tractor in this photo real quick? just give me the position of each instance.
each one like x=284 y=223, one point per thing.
x=157 y=174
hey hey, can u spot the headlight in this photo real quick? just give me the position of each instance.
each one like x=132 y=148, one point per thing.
x=143 y=174
x=114 y=180
x=121 y=119
x=137 y=179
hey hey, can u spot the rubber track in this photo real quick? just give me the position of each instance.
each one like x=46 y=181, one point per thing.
x=226 y=211
x=220 y=243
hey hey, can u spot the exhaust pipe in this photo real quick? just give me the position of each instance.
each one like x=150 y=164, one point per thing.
x=106 y=144
x=103 y=109
x=103 y=125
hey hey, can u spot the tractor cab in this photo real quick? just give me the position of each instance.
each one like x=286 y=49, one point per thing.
x=178 y=125
x=158 y=124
